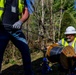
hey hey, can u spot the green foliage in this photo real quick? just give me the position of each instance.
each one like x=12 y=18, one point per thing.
x=67 y=20
x=56 y=6
x=12 y=61
x=34 y=23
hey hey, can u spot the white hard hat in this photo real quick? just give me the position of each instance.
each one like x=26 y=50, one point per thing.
x=70 y=30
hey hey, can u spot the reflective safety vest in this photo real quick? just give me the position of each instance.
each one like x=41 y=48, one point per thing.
x=64 y=43
x=20 y=7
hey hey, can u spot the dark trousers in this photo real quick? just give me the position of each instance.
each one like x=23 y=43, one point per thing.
x=18 y=39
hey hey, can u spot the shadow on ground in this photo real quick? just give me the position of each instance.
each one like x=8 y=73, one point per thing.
x=37 y=68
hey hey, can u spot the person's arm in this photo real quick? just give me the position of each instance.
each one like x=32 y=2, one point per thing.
x=59 y=42
x=25 y=15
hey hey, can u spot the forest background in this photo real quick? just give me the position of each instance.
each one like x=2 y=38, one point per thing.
x=48 y=21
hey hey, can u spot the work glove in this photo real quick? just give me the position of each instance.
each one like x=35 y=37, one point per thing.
x=17 y=25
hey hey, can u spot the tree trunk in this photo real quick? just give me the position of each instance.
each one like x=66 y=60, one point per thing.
x=42 y=20
x=51 y=22
x=60 y=20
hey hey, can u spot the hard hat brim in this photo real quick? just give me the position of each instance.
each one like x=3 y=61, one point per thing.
x=70 y=32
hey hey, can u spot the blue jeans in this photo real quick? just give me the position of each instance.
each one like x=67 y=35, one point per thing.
x=18 y=39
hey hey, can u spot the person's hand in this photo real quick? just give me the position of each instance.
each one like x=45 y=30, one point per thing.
x=17 y=25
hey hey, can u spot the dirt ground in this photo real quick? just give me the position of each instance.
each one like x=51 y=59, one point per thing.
x=37 y=60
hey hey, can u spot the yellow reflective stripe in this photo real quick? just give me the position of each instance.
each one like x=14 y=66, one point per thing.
x=64 y=43
x=73 y=44
x=2 y=2
x=1 y=11
x=20 y=7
